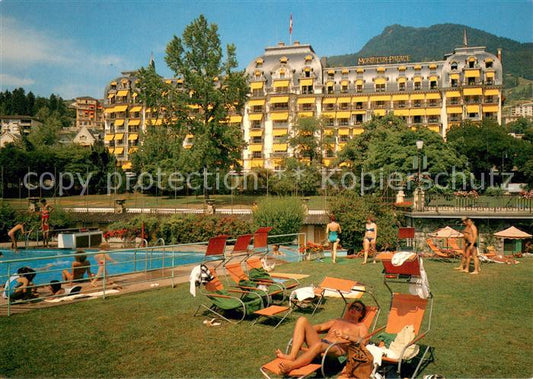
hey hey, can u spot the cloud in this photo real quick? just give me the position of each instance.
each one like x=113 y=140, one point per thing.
x=15 y=81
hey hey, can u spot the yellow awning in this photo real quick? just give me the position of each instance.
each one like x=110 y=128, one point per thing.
x=111 y=150
x=256 y=163
x=401 y=112
x=305 y=114
x=306 y=82
x=279 y=147
x=253 y=103
x=417 y=112
x=127 y=166
x=417 y=96
x=133 y=149
x=490 y=108
x=433 y=111
x=306 y=100
x=402 y=79
x=380 y=98
x=279 y=132
x=417 y=79
x=329 y=100
x=342 y=100
x=328 y=114
x=472 y=73
x=328 y=132
x=111 y=95
x=110 y=110
x=122 y=92
x=433 y=78
x=344 y=83
x=434 y=128
x=344 y=132
x=359 y=112
x=357 y=131
x=472 y=108
x=380 y=80
x=359 y=99
x=432 y=66
x=400 y=97
x=454 y=76
x=256 y=147
x=489 y=75
x=136 y=109
x=359 y=82
x=133 y=137
x=331 y=72
x=343 y=114
x=235 y=119
x=279 y=99
x=472 y=91
x=454 y=110
x=279 y=116
x=492 y=92
x=433 y=96
x=134 y=122
x=418 y=67
x=256 y=85
x=119 y=122
x=120 y=108
x=119 y=150
x=379 y=112
x=280 y=83
x=453 y=94
x=256 y=117
x=119 y=136
x=256 y=133
x=330 y=84
x=109 y=137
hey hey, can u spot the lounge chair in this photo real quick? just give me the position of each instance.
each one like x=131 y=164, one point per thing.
x=327 y=362
x=406 y=234
x=229 y=299
x=455 y=246
x=242 y=280
x=215 y=250
x=261 y=241
x=242 y=245
x=440 y=253
x=255 y=263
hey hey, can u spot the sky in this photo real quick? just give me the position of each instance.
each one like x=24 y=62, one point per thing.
x=76 y=47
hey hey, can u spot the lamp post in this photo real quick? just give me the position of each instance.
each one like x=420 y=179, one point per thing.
x=419 y=193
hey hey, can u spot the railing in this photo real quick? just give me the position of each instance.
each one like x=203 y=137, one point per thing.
x=133 y=267
x=481 y=203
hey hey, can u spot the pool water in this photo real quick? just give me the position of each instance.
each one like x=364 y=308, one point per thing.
x=51 y=262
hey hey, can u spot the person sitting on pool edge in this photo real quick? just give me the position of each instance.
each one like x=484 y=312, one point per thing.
x=343 y=330
x=20 y=285
x=80 y=266
x=101 y=259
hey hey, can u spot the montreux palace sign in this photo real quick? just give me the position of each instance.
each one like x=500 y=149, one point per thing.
x=389 y=59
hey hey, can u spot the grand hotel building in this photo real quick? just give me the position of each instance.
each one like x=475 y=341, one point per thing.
x=291 y=82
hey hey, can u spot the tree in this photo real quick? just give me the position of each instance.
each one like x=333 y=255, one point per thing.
x=212 y=88
x=310 y=139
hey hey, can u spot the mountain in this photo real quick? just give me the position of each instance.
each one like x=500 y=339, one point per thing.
x=431 y=43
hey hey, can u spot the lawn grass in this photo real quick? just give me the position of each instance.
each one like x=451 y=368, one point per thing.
x=482 y=327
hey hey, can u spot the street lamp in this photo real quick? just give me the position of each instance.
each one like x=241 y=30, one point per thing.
x=419 y=193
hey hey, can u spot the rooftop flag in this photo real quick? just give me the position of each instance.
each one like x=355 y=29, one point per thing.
x=290 y=25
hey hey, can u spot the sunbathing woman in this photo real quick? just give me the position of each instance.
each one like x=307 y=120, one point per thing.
x=348 y=328
x=80 y=266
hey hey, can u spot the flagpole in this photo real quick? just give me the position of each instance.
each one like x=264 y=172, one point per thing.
x=290 y=30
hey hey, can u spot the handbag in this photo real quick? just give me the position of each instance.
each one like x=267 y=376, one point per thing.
x=360 y=362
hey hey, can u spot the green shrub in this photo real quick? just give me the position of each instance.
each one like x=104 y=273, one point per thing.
x=351 y=211
x=284 y=214
x=8 y=219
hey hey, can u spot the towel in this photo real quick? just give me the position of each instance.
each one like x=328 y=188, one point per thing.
x=266 y=266
x=406 y=335
x=377 y=352
x=302 y=294
x=194 y=278
x=420 y=286
x=400 y=257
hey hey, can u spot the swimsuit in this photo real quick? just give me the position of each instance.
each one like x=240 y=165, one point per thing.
x=45 y=215
x=339 y=348
x=332 y=236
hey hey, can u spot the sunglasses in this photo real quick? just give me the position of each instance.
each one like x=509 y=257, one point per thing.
x=357 y=308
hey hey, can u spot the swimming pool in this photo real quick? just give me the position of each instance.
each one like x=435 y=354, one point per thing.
x=50 y=263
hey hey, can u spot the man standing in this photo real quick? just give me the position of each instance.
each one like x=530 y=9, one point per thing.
x=470 y=235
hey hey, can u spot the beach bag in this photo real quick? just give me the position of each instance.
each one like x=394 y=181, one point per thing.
x=359 y=364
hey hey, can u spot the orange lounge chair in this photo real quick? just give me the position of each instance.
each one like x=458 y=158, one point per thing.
x=242 y=245
x=406 y=234
x=272 y=367
x=288 y=281
x=440 y=253
x=455 y=246
x=407 y=309
x=215 y=250
x=261 y=241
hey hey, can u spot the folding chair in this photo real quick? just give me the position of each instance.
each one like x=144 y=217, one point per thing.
x=232 y=299
x=406 y=234
x=242 y=245
x=261 y=241
x=440 y=253
x=215 y=250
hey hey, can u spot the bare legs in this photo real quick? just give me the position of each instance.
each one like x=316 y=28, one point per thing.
x=368 y=246
x=334 y=251
x=303 y=333
x=469 y=253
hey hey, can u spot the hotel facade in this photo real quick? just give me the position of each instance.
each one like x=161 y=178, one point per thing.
x=288 y=83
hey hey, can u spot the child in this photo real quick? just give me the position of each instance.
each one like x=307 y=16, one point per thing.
x=102 y=258
x=12 y=234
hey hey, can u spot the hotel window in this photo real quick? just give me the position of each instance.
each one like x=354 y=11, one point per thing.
x=257 y=154
x=308 y=107
x=329 y=122
x=418 y=86
x=454 y=100
x=330 y=107
x=307 y=73
x=257 y=108
x=433 y=103
x=380 y=87
x=489 y=99
x=344 y=138
x=471 y=63
x=258 y=139
x=280 y=124
x=433 y=119
x=257 y=92
x=488 y=64
x=280 y=106
x=330 y=89
x=472 y=115
x=401 y=86
x=417 y=119
x=359 y=88
x=417 y=103
x=489 y=81
x=471 y=81
x=344 y=88
x=343 y=106
x=359 y=105
x=401 y=104
x=256 y=124
x=258 y=62
x=282 y=74
x=380 y=104
x=343 y=121
x=454 y=83
x=454 y=65
x=358 y=119
x=433 y=84
x=306 y=90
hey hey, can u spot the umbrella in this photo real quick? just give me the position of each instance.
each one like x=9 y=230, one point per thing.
x=512 y=233
x=447 y=232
